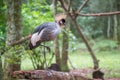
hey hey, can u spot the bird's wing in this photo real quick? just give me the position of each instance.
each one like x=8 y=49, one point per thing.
x=43 y=26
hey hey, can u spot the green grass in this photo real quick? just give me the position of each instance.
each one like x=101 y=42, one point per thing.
x=26 y=64
x=109 y=62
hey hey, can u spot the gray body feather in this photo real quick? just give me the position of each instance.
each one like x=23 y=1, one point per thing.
x=46 y=32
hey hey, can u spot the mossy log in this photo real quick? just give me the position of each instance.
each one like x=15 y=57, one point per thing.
x=47 y=75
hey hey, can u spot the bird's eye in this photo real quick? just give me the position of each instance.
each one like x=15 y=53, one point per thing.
x=63 y=21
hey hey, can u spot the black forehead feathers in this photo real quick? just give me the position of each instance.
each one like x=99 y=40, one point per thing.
x=63 y=20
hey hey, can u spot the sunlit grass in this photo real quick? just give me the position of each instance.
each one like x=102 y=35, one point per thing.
x=81 y=60
x=109 y=61
x=26 y=64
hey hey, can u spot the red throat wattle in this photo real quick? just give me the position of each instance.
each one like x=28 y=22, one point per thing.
x=60 y=23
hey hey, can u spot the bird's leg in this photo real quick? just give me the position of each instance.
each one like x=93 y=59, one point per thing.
x=48 y=48
x=44 y=53
x=50 y=73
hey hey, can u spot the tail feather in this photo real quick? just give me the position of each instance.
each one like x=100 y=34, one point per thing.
x=31 y=46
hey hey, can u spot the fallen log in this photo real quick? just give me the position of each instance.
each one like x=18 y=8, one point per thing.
x=47 y=75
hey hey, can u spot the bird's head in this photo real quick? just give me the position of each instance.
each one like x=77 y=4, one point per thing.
x=62 y=22
x=60 y=18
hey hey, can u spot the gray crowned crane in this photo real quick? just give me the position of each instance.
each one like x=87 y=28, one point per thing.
x=46 y=32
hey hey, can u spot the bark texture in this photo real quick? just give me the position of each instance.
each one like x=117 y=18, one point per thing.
x=14 y=33
x=1 y=71
x=14 y=27
x=65 y=46
x=115 y=28
x=57 y=49
x=47 y=75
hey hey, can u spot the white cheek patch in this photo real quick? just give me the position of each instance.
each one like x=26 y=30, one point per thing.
x=36 y=37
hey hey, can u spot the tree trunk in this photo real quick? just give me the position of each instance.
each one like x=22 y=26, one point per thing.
x=108 y=28
x=118 y=18
x=14 y=33
x=65 y=46
x=47 y=75
x=64 y=61
x=57 y=49
x=118 y=30
x=1 y=71
x=57 y=52
x=1 y=21
x=115 y=27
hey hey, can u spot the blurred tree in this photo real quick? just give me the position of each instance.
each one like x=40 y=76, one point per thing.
x=106 y=25
x=74 y=6
x=65 y=41
x=61 y=61
x=65 y=46
x=118 y=20
x=57 y=47
x=2 y=34
x=14 y=33
x=1 y=71
x=94 y=26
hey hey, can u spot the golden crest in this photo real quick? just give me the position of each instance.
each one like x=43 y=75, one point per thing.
x=60 y=16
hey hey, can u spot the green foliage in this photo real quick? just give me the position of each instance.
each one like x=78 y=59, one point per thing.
x=96 y=26
x=34 y=14
x=104 y=45
x=14 y=55
x=2 y=23
x=38 y=59
x=2 y=43
x=102 y=23
x=101 y=5
x=89 y=28
x=73 y=40
x=109 y=61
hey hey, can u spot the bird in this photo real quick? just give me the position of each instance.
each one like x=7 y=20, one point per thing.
x=46 y=32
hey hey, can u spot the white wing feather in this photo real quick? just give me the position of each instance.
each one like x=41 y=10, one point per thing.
x=36 y=37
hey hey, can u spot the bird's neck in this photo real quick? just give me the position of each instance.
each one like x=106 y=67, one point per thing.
x=59 y=23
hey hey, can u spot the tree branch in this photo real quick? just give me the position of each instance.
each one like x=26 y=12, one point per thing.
x=78 y=28
x=63 y=5
x=82 y=6
x=69 y=5
x=100 y=14
x=73 y=16
x=21 y=41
